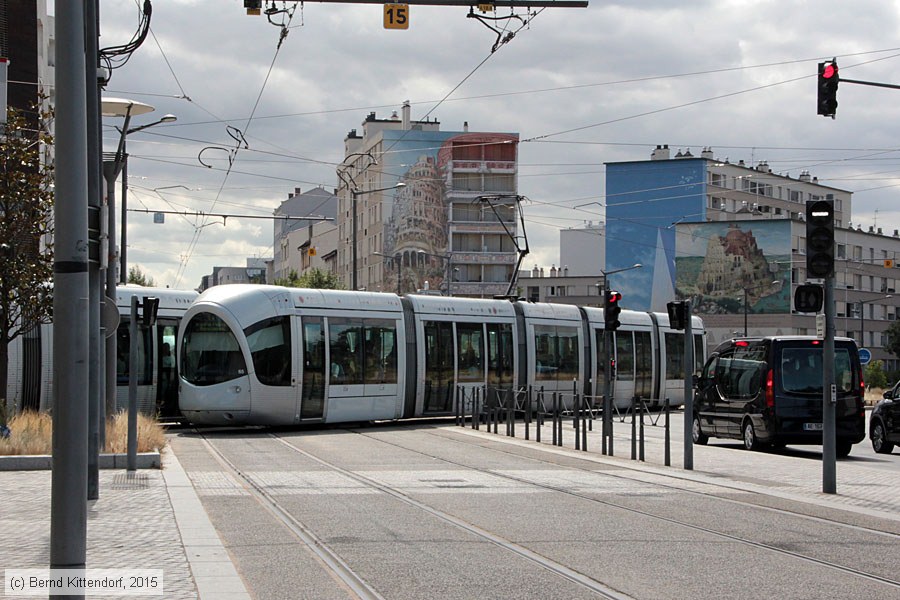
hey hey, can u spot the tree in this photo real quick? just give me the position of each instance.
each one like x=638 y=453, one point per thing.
x=892 y=338
x=26 y=228
x=135 y=275
x=314 y=278
x=875 y=375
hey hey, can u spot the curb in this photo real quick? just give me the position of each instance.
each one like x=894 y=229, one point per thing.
x=42 y=462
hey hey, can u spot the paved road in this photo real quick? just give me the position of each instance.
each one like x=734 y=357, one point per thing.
x=431 y=510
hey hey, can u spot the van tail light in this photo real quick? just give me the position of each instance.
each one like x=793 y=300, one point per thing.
x=770 y=390
x=862 y=394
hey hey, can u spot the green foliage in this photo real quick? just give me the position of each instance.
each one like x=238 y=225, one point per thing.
x=314 y=278
x=26 y=228
x=875 y=375
x=136 y=275
x=892 y=339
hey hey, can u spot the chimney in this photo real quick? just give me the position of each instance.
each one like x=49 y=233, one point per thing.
x=660 y=153
x=707 y=153
x=553 y=270
x=406 y=118
x=804 y=176
x=466 y=126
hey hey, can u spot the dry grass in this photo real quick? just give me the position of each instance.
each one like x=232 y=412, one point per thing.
x=32 y=433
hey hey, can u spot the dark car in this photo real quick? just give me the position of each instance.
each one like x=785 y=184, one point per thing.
x=884 y=426
x=767 y=391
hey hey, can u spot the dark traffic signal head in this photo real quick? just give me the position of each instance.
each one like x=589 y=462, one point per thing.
x=826 y=100
x=819 y=238
x=611 y=310
x=677 y=314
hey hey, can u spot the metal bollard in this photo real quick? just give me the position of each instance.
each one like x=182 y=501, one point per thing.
x=633 y=429
x=576 y=416
x=668 y=451
x=584 y=422
x=642 y=407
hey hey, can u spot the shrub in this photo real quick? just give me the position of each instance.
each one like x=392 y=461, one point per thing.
x=32 y=433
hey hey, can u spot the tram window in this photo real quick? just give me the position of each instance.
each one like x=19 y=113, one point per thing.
x=567 y=351
x=556 y=353
x=500 y=354
x=470 y=345
x=675 y=355
x=624 y=356
x=210 y=352
x=381 y=351
x=123 y=355
x=270 y=349
x=644 y=364
x=345 y=346
x=546 y=359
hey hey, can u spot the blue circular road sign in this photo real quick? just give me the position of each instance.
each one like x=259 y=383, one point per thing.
x=865 y=355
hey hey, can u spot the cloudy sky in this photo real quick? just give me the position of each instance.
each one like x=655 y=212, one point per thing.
x=581 y=86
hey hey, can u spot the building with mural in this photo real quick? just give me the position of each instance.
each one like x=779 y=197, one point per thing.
x=732 y=238
x=434 y=210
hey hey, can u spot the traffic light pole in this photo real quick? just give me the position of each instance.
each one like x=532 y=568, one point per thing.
x=688 y=388
x=829 y=395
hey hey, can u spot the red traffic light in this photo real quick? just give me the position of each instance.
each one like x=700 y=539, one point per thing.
x=829 y=71
x=613 y=297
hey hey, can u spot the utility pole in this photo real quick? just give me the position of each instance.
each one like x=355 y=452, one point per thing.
x=68 y=502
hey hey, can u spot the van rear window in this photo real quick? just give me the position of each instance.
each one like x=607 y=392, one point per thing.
x=801 y=370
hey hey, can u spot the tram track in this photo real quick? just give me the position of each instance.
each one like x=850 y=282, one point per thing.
x=362 y=589
x=893 y=583
x=343 y=571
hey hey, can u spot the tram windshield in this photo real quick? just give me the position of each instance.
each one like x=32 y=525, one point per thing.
x=210 y=353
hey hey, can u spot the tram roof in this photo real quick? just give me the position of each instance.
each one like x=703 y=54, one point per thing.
x=168 y=298
x=444 y=305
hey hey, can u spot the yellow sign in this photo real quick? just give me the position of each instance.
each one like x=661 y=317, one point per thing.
x=486 y=8
x=888 y=263
x=312 y=250
x=396 y=16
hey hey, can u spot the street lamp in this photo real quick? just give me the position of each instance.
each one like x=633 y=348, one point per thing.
x=395 y=261
x=448 y=258
x=862 y=337
x=354 y=194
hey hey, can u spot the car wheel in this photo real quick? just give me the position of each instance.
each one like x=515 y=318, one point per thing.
x=750 y=440
x=842 y=448
x=697 y=434
x=879 y=443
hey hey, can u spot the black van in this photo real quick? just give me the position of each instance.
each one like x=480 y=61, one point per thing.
x=768 y=391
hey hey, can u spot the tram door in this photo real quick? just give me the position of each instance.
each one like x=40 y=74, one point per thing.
x=166 y=376
x=312 y=396
x=438 y=368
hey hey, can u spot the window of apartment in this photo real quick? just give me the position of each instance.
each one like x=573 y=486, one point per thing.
x=718 y=179
x=857 y=253
x=796 y=196
x=499 y=182
x=841 y=251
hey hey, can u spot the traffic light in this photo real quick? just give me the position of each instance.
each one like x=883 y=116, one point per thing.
x=611 y=310
x=677 y=315
x=827 y=88
x=820 y=238
x=809 y=298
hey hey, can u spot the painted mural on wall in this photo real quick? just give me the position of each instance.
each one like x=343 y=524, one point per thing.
x=416 y=232
x=720 y=266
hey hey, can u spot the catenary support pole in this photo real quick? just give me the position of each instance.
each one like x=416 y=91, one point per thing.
x=96 y=342
x=68 y=502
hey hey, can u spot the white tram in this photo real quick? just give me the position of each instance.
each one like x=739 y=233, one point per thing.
x=29 y=386
x=267 y=355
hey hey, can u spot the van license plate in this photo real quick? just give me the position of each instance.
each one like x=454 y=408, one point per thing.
x=812 y=427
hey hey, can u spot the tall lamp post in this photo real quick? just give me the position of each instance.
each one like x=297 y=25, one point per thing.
x=355 y=193
x=395 y=261
x=448 y=259
x=862 y=322
x=607 y=430
x=117 y=107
